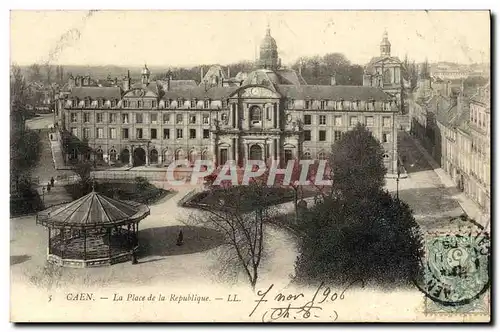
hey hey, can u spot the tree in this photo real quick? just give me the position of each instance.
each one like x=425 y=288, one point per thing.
x=35 y=73
x=424 y=70
x=357 y=164
x=239 y=213
x=378 y=244
x=84 y=171
x=360 y=232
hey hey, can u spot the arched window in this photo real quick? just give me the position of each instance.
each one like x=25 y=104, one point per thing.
x=112 y=155
x=125 y=156
x=306 y=155
x=99 y=155
x=321 y=155
x=179 y=155
x=255 y=114
x=73 y=155
x=192 y=156
x=204 y=155
x=153 y=156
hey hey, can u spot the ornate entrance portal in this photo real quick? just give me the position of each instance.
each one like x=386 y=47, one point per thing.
x=139 y=157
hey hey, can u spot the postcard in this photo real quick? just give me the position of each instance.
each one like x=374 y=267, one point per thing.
x=250 y=166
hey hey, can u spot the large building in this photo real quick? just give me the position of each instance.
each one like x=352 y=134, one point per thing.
x=269 y=113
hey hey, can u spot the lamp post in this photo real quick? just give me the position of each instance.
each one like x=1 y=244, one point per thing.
x=43 y=195
x=397 y=181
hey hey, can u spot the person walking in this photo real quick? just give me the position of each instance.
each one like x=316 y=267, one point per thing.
x=48 y=187
x=52 y=181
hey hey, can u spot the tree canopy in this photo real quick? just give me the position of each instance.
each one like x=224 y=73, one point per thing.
x=357 y=164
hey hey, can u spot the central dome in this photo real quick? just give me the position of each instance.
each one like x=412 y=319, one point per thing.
x=268 y=41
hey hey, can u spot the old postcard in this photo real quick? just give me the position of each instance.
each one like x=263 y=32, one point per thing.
x=250 y=166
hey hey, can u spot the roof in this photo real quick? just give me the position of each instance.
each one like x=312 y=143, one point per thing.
x=93 y=210
x=268 y=77
x=151 y=86
x=199 y=92
x=291 y=76
x=333 y=92
x=182 y=84
x=370 y=66
x=96 y=92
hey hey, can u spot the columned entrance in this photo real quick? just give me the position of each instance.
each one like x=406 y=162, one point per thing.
x=139 y=157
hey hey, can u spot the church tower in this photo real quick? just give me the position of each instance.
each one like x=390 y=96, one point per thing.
x=146 y=73
x=385 y=46
x=268 y=52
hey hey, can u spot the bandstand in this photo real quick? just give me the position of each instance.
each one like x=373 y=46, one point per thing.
x=93 y=230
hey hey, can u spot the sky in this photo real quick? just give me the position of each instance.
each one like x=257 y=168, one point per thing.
x=184 y=38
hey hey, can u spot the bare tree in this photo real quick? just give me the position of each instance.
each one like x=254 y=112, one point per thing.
x=239 y=213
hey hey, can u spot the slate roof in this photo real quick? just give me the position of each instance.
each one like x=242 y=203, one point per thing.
x=107 y=93
x=199 y=92
x=93 y=210
x=333 y=92
x=291 y=76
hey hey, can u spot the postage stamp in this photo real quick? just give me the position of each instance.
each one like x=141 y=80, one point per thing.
x=457 y=273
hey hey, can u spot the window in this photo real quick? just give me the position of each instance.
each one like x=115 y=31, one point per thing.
x=113 y=102
x=125 y=118
x=206 y=119
x=140 y=104
x=206 y=103
x=192 y=119
x=322 y=135
x=138 y=118
x=192 y=133
x=154 y=104
x=112 y=155
x=86 y=133
x=321 y=155
x=193 y=103
x=255 y=114
x=307 y=119
x=166 y=118
x=291 y=103
x=100 y=132
x=138 y=133
x=308 y=104
x=322 y=119
x=125 y=133
x=338 y=120
x=74 y=132
x=224 y=103
x=74 y=117
x=180 y=103
x=206 y=133
x=353 y=120
x=178 y=118
x=386 y=121
x=154 y=118
x=307 y=135
x=126 y=103
x=86 y=117
x=338 y=135
x=112 y=118
x=323 y=104
x=153 y=133
x=268 y=113
x=179 y=133
x=87 y=102
x=166 y=133
x=99 y=118
x=306 y=155
x=369 y=121
x=386 y=137
x=112 y=132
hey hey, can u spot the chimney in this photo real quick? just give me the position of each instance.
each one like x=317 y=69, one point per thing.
x=228 y=72
x=201 y=74
x=333 y=80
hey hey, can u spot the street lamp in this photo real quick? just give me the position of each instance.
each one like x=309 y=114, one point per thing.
x=43 y=195
x=397 y=181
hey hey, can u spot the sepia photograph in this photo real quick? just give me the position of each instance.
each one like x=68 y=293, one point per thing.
x=250 y=166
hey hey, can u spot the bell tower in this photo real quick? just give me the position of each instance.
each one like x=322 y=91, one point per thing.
x=268 y=52
x=385 y=45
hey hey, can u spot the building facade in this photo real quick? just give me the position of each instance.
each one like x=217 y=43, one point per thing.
x=269 y=113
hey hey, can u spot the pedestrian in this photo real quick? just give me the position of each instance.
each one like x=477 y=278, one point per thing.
x=52 y=181
x=48 y=186
x=180 y=239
